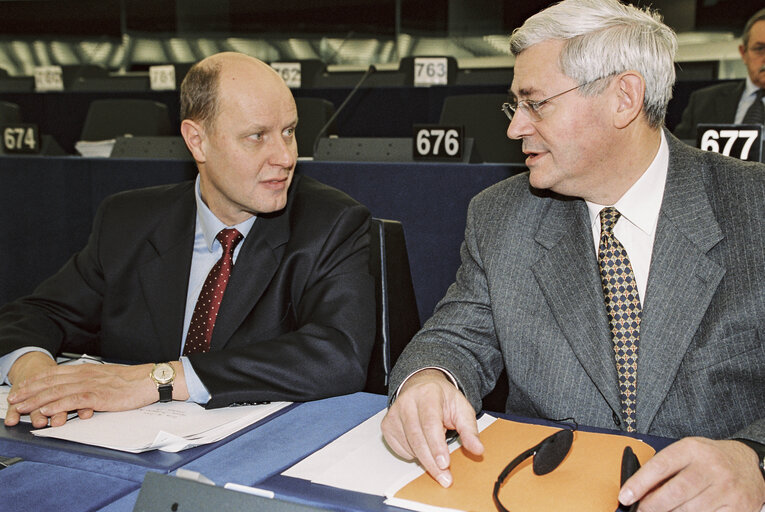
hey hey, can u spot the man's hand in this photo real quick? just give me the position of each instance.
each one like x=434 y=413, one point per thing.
x=416 y=424
x=46 y=391
x=698 y=474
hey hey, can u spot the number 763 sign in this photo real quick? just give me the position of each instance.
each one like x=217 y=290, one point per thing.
x=740 y=141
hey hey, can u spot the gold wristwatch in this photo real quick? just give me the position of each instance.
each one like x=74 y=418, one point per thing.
x=163 y=375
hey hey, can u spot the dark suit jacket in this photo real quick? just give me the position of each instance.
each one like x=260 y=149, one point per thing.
x=528 y=298
x=297 y=320
x=716 y=104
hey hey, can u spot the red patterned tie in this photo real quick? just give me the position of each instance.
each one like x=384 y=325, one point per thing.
x=624 y=311
x=206 y=309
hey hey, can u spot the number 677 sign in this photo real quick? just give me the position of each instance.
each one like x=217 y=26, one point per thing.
x=740 y=141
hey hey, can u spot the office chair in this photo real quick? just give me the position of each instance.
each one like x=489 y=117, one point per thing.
x=397 y=317
x=9 y=113
x=483 y=121
x=313 y=113
x=112 y=118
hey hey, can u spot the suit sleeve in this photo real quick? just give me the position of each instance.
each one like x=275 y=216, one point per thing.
x=327 y=352
x=460 y=336
x=65 y=308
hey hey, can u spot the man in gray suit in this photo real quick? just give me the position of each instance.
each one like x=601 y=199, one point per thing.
x=533 y=295
x=729 y=102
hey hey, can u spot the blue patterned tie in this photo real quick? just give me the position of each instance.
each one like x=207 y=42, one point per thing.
x=623 y=308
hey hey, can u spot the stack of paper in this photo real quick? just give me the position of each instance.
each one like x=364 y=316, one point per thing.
x=345 y=463
x=95 y=148
x=169 y=427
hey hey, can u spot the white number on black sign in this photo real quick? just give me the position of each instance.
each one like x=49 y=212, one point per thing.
x=49 y=78
x=290 y=73
x=430 y=71
x=20 y=139
x=740 y=141
x=438 y=142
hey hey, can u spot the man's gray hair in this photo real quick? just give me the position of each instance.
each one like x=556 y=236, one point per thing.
x=604 y=38
x=758 y=16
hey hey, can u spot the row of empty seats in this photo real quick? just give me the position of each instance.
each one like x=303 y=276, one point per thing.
x=314 y=74
x=143 y=128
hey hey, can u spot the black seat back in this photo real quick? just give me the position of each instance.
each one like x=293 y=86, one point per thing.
x=397 y=316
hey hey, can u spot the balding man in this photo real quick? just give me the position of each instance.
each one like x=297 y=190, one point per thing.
x=248 y=284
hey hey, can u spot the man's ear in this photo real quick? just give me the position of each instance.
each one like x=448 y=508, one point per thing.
x=630 y=92
x=194 y=135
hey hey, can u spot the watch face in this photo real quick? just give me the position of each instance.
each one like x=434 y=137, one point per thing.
x=163 y=373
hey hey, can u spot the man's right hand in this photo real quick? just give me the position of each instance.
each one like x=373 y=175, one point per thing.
x=415 y=425
x=28 y=367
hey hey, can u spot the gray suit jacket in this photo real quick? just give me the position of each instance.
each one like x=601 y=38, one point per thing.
x=528 y=298
x=716 y=104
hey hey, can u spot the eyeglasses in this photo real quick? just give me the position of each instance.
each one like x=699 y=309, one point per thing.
x=758 y=49
x=533 y=109
x=549 y=454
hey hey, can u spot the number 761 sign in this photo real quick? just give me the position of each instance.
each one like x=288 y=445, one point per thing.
x=740 y=141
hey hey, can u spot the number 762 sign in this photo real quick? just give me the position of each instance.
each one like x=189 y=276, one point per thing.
x=740 y=141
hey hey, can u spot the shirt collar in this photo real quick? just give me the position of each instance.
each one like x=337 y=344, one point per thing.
x=750 y=89
x=210 y=225
x=641 y=204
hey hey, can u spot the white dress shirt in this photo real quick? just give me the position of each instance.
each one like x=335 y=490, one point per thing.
x=639 y=208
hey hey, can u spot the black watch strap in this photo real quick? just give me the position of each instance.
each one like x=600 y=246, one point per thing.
x=165 y=393
x=759 y=448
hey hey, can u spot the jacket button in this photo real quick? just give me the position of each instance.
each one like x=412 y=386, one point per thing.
x=616 y=419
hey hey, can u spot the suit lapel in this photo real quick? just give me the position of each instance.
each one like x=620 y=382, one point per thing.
x=727 y=104
x=567 y=274
x=681 y=282
x=164 y=278
x=255 y=267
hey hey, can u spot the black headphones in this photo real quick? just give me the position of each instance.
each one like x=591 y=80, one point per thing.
x=548 y=455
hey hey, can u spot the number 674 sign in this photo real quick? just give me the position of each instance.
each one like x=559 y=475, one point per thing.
x=737 y=140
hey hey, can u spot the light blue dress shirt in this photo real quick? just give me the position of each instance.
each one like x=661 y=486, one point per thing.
x=747 y=98
x=207 y=251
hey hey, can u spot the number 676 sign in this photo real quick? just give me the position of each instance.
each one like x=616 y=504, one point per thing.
x=737 y=140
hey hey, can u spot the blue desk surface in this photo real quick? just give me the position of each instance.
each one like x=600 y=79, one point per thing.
x=65 y=479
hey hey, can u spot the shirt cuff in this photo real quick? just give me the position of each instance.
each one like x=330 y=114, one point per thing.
x=6 y=361
x=197 y=391
x=446 y=372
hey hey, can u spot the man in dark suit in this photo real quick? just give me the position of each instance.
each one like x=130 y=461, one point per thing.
x=296 y=319
x=728 y=103
x=620 y=282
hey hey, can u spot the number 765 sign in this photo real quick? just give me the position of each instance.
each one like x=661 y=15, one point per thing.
x=740 y=141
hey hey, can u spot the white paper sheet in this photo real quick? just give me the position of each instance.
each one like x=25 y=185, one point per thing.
x=360 y=461
x=170 y=427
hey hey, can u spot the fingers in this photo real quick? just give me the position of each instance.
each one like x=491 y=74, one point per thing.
x=12 y=416
x=697 y=474
x=416 y=423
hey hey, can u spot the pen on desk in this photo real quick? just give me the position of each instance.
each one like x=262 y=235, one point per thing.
x=9 y=461
x=250 y=490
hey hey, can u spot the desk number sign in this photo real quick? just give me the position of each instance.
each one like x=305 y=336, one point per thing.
x=49 y=78
x=742 y=141
x=430 y=71
x=162 y=78
x=21 y=138
x=435 y=142
x=290 y=73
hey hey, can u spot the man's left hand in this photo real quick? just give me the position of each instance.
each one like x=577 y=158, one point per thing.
x=84 y=388
x=698 y=474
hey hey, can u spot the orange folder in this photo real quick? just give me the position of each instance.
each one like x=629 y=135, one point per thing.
x=587 y=480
